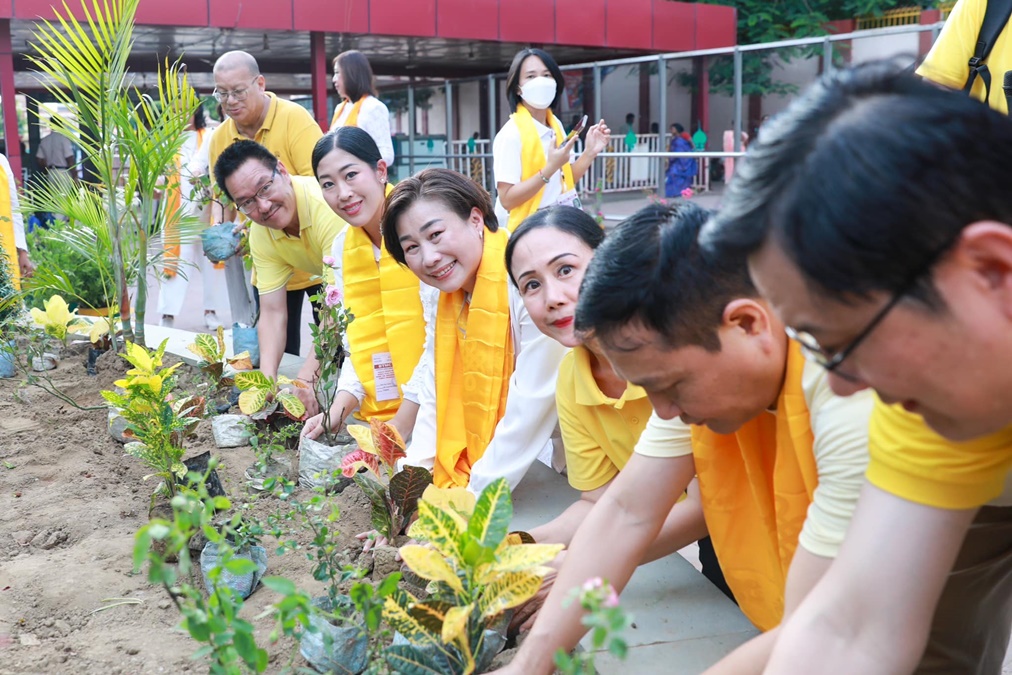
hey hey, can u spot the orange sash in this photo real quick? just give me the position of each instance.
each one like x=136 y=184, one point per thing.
x=352 y=120
x=533 y=159
x=474 y=362
x=756 y=486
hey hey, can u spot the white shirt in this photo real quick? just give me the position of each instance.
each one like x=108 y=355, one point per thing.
x=374 y=119
x=507 y=167
x=55 y=149
x=840 y=431
x=349 y=379
x=19 y=223
x=525 y=431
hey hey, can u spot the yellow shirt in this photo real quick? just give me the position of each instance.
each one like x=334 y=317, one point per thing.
x=946 y=63
x=599 y=432
x=909 y=460
x=276 y=256
x=291 y=133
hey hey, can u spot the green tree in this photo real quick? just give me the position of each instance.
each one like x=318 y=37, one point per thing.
x=772 y=20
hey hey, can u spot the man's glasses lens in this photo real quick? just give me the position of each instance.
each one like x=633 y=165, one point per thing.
x=250 y=205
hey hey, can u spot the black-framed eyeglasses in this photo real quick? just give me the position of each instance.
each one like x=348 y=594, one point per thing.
x=237 y=95
x=248 y=206
x=813 y=351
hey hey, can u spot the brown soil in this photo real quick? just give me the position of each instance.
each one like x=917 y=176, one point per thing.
x=70 y=503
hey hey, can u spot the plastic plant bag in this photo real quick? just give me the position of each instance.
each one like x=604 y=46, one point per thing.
x=244 y=339
x=219 y=242
x=244 y=584
x=348 y=649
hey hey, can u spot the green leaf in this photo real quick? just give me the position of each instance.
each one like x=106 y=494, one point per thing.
x=252 y=401
x=509 y=590
x=279 y=585
x=492 y=515
x=240 y=566
x=142 y=544
x=443 y=529
x=430 y=615
x=295 y=408
x=408 y=660
x=407 y=486
x=252 y=379
x=376 y=494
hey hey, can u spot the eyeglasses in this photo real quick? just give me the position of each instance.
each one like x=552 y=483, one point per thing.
x=250 y=205
x=814 y=352
x=237 y=95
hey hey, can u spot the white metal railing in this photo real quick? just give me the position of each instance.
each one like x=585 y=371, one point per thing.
x=609 y=174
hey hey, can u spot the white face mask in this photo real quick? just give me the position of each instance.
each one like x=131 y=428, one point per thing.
x=539 y=92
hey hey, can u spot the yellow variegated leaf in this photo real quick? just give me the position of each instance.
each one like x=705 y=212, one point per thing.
x=429 y=564
x=363 y=436
x=396 y=614
x=39 y=317
x=139 y=358
x=518 y=559
x=252 y=379
x=221 y=342
x=205 y=347
x=252 y=401
x=459 y=499
x=291 y=403
x=509 y=590
x=442 y=529
x=455 y=622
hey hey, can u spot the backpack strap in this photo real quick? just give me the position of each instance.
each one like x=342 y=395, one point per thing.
x=996 y=16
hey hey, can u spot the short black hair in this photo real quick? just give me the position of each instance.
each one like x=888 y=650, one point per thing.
x=199 y=117
x=568 y=219
x=352 y=140
x=678 y=127
x=651 y=271
x=865 y=178
x=237 y=154
x=630 y=118
x=356 y=74
x=459 y=193
x=513 y=77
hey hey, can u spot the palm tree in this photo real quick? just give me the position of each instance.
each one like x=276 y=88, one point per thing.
x=131 y=137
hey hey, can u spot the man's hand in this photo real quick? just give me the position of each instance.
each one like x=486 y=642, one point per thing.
x=25 y=264
x=308 y=398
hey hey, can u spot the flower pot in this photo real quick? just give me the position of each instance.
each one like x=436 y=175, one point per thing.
x=7 y=359
x=243 y=584
x=348 y=650
x=244 y=339
x=117 y=426
x=278 y=467
x=48 y=361
x=318 y=461
x=93 y=355
x=230 y=431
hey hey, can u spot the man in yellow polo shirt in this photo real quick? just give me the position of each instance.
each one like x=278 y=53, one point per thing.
x=877 y=217
x=947 y=62
x=283 y=127
x=779 y=458
x=293 y=228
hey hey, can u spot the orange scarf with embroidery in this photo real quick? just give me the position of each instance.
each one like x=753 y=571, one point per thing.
x=352 y=120
x=474 y=362
x=388 y=317
x=533 y=159
x=756 y=487
x=172 y=203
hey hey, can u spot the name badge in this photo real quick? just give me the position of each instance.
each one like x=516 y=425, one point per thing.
x=569 y=198
x=385 y=378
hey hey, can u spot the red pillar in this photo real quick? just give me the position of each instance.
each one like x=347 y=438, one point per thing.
x=928 y=17
x=10 y=110
x=320 y=81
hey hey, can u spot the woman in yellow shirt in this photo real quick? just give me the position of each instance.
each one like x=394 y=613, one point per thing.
x=489 y=409
x=385 y=341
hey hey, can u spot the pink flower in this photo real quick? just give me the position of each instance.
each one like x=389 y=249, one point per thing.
x=612 y=598
x=329 y=261
x=355 y=460
x=687 y=193
x=333 y=297
x=593 y=584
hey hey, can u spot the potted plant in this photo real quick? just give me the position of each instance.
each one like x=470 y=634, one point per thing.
x=274 y=413
x=319 y=457
x=393 y=494
x=477 y=571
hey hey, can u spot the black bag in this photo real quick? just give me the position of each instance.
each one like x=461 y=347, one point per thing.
x=996 y=16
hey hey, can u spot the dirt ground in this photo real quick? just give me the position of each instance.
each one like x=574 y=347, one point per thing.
x=70 y=502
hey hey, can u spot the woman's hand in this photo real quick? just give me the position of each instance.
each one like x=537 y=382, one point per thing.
x=597 y=138
x=370 y=540
x=313 y=427
x=558 y=157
